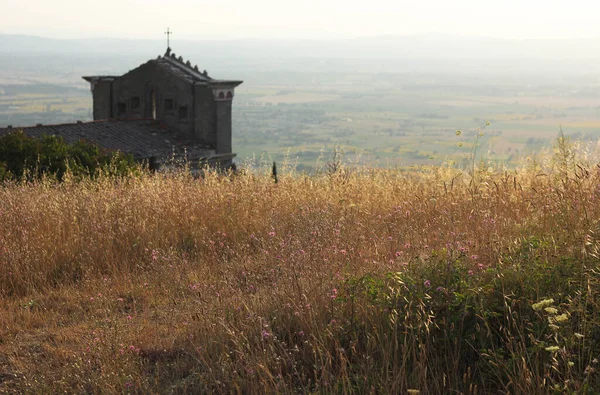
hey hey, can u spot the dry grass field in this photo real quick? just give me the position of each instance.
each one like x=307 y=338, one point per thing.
x=429 y=280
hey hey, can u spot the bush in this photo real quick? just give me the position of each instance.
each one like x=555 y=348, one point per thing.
x=26 y=158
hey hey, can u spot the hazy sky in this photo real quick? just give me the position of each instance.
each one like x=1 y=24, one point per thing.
x=197 y=19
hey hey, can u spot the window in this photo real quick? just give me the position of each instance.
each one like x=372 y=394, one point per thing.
x=121 y=109
x=153 y=100
x=229 y=95
x=183 y=112
x=169 y=106
x=135 y=103
x=221 y=96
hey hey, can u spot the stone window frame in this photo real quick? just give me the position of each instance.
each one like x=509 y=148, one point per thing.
x=121 y=109
x=136 y=103
x=169 y=105
x=183 y=112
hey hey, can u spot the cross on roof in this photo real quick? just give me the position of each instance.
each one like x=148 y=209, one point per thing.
x=168 y=33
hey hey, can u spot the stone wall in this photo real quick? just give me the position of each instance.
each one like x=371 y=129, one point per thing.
x=102 y=100
x=205 y=116
x=223 y=145
x=135 y=92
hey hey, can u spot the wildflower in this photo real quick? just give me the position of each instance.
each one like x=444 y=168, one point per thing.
x=588 y=370
x=458 y=133
x=542 y=304
x=265 y=334
x=551 y=310
x=427 y=283
x=561 y=318
x=578 y=335
x=301 y=333
x=552 y=348
x=334 y=293
x=271 y=234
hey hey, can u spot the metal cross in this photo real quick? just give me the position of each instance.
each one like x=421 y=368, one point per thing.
x=168 y=33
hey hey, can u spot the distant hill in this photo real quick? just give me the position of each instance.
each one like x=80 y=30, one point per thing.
x=427 y=52
x=422 y=46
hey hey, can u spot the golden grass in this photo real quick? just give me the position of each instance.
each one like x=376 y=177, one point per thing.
x=360 y=280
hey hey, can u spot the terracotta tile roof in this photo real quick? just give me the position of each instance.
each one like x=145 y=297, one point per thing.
x=144 y=138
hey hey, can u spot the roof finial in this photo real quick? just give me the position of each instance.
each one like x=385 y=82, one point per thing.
x=168 y=33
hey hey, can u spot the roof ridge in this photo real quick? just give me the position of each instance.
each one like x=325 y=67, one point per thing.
x=49 y=125
x=180 y=63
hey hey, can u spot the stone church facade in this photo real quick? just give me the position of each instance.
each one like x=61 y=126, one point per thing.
x=164 y=109
x=173 y=91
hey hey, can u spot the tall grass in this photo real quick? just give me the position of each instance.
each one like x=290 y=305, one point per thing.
x=353 y=280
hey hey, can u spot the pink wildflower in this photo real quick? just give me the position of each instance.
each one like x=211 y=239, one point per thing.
x=334 y=293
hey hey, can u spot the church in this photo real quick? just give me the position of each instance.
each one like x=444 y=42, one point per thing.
x=163 y=111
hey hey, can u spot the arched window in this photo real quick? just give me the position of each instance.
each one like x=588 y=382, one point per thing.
x=221 y=95
x=229 y=95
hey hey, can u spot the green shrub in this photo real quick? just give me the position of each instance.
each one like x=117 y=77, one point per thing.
x=26 y=158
